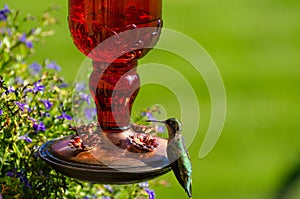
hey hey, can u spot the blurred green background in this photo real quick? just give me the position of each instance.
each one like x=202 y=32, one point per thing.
x=256 y=46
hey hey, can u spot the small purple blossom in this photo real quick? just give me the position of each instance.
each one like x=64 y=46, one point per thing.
x=29 y=44
x=54 y=66
x=19 y=80
x=4 y=12
x=109 y=188
x=63 y=85
x=31 y=119
x=160 y=128
x=150 y=193
x=35 y=68
x=24 y=40
x=90 y=113
x=105 y=197
x=47 y=104
x=22 y=177
x=38 y=87
x=5 y=30
x=144 y=184
x=87 y=197
x=22 y=106
x=148 y=115
x=25 y=138
x=1 y=112
x=64 y=116
x=39 y=127
x=46 y=115
x=10 y=174
x=80 y=86
x=85 y=97
x=10 y=90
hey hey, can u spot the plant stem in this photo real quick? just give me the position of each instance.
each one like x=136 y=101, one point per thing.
x=3 y=160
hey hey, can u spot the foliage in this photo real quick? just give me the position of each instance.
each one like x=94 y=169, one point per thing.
x=35 y=106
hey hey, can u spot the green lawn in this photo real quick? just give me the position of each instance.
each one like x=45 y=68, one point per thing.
x=256 y=46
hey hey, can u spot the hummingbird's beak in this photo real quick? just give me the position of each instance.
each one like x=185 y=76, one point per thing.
x=158 y=121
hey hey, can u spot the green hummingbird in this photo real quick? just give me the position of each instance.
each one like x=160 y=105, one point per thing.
x=178 y=154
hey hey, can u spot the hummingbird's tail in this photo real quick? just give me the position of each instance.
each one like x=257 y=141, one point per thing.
x=188 y=188
x=189 y=192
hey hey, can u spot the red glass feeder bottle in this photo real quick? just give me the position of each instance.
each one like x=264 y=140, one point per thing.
x=114 y=34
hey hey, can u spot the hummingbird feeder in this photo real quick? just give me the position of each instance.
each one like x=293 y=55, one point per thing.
x=114 y=34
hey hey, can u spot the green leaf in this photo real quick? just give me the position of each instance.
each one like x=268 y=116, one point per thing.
x=16 y=150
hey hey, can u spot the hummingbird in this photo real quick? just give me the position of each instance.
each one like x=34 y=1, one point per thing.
x=178 y=154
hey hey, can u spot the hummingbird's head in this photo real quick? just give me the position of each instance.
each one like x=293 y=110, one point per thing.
x=173 y=125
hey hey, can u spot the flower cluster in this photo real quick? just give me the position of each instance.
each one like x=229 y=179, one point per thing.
x=33 y=108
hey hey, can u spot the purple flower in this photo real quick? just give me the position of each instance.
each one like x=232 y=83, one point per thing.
x=24 y=180
x=93 y=196
x=64 y=116
x=54 y=66
x=33 y=120
x=19 y=80
x=26 y=138
x=85 y=97
x=160 y=128
x=109 y=188
x=10 y=173
x=38 y=87
x=150 y=193
x=105 y=197
x=22 y=106
x=39 y=127
x=24 y=40
x=1 y=112
x=47 y=104
x=6 y=30
x=63 y=85
x=80 y=86
x=29 y=44
x=4 y=12
x=46 y=114
x=144 y=184
x=10 y=90
x=148 y=115
x=35 y=68
x=90 y=113
x=22 y=177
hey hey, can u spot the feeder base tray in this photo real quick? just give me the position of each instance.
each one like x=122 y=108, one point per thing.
x=105 y=163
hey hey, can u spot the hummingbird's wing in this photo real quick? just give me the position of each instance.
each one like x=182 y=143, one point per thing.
x=180 y=163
